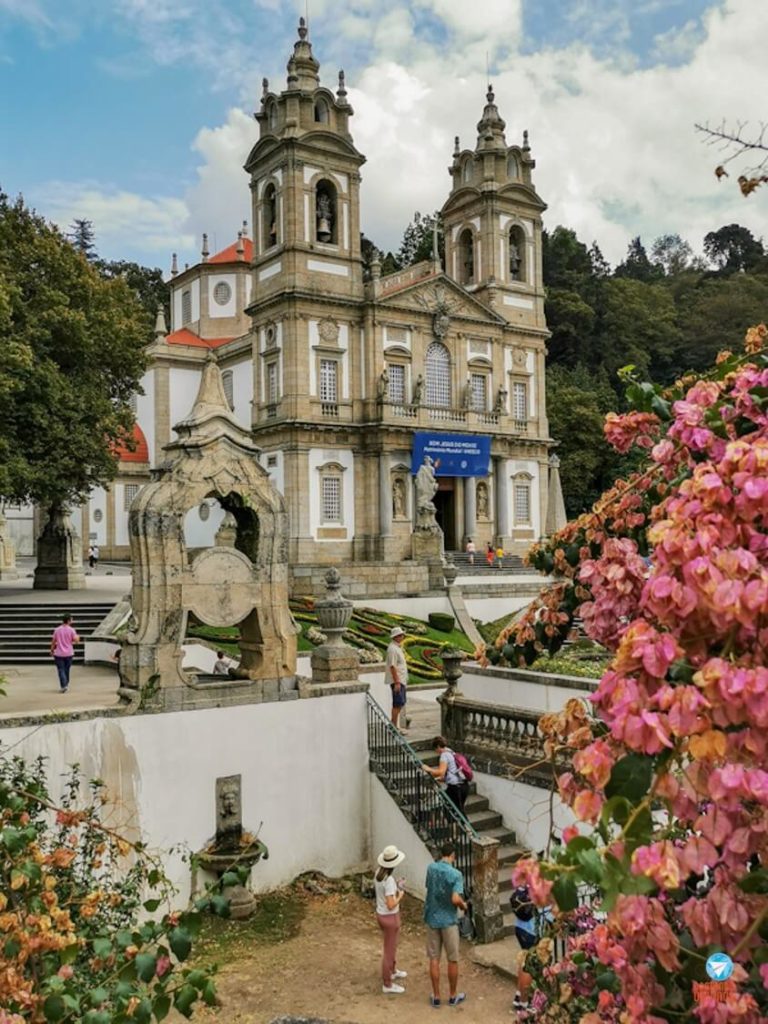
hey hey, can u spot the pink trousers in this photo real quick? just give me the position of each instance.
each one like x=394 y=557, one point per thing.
x=390 y=927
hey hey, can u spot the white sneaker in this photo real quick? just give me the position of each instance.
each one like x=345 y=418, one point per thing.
x=399 y=974
x=392 y=989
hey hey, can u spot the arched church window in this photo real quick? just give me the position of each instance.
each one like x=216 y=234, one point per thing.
x=516 y=253
x=438 y=375
x=467 y=169
x=272 y=116
x=326 y=213
x=466 y=257
x=269 y=212
x=513 y=167
x=321 y=112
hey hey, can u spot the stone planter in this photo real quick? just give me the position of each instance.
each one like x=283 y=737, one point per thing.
x=242 y=902
x=452 y=671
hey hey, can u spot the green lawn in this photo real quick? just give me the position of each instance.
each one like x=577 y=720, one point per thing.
x=368 y=630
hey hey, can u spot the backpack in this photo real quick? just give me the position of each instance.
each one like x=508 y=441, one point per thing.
x=464 y=766
x=521 y=904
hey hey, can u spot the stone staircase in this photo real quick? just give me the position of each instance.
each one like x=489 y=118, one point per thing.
x=25 y=629
x=486 y=822
x=512 y=565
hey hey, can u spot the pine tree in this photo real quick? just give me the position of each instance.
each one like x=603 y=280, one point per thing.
x=82 y=237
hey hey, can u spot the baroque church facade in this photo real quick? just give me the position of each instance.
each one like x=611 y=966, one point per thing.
x=338 y=375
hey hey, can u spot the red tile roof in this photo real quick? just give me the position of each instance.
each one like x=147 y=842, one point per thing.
x=140 y=452
x=230 y=254
x=186 y=337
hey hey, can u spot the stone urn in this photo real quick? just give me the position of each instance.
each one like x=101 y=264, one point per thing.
x=450 y=572
x=452 y=672
x=334 y=610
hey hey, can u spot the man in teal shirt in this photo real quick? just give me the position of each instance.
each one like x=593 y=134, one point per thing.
x=445 y=896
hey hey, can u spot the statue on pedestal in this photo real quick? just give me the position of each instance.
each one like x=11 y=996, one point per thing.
x=426 y=489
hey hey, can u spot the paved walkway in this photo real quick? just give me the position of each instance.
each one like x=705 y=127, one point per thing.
x=34 y=690
x=103 y=584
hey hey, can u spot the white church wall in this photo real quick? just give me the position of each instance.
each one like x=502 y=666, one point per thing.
x=20 y=524
x=274 y=464
x=346 y=459
x=121 y=515
x=304 y=767
x=228 y=308
x=524 y=809
x=182 y=385
x=97 y=518
x=529 y=466
x=200 y=526
x=389 y=826
x=193 y=287
x=145 y=411
x=242 y=391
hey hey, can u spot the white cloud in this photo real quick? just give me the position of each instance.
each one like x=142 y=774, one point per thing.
x=126 y=223
x=678 y=44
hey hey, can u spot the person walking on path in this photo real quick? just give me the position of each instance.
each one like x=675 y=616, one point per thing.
x=389 y=896
x=63 y=651
x=489 y=553
x=445 y=897
x=500 y=557
x=396 y=674
x=470 y=551
x=449 y=773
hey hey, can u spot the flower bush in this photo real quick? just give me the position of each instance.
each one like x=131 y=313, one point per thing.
x=668 y=776
x=77 y=899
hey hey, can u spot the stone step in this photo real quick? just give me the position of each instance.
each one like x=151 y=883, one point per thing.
x=510 y=854
x=483 y=821
x=504 y=835
x=475 y=802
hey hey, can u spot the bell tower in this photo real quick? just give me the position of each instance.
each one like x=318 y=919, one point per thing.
x=492 y=222
x=305 y=186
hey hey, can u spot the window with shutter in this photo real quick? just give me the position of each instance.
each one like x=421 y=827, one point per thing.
x=520 y=400
x=396 y=383
x=438 y=374
x=331 y=499
x=479 y=392
x=328 y=380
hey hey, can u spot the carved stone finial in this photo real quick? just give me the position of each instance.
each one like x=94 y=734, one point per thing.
x=456 y=145
x=174 y=264
x=245 y=229
x=302 y=29
x=205 y=253
x=264 y=88
x=490 y=96
x=526 y=146
x=240 y=250
x=333 y=611
x=161 y=330
x=341 y=92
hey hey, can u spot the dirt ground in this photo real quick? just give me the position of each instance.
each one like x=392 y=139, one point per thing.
x=330 y=969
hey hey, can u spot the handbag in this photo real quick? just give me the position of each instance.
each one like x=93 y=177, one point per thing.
x=466 y=927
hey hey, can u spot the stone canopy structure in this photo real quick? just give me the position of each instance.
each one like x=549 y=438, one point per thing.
x=239 y=581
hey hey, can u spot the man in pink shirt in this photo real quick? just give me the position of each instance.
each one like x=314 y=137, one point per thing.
x=63 y=651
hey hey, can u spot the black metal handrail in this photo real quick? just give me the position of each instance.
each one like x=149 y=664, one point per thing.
x=434 y=816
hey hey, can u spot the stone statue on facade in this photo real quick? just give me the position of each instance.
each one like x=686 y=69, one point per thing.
x=468 y=393
x=514 y=261
x=501 y=401
x=482 y=500
x=426 y=489
x=382 y=386
x=418 y=390
x=398 y=498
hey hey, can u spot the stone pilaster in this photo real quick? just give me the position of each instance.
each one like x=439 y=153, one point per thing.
x=59 y=555
x=470 y=508
x=486 y=911
x=501 y=488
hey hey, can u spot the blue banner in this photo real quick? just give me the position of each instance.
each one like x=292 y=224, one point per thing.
x=453 y=454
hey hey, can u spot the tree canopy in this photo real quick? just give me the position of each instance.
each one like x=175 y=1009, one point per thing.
x=71 y=358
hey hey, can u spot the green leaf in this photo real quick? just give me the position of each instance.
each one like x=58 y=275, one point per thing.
x=151 y=905
x=209 y=994
x=68 y=955
x=162 y=1006
x=755 y=881
x=229 y=878
x=192 y=921
x=98 y=1017
x=54 y=1008
x=631 y=777
x=102 y=947
x=143 y=1012
x=592 y=865
x=146 y=966
x=641 y=829
x=184 y=1000
x=220 y=906
x=180 y=942
x=98 y=996
x=565 y=893
x=124 y=939
x=617 y=809
x=197 y=978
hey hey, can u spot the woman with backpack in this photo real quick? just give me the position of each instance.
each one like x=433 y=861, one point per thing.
x=453 y=771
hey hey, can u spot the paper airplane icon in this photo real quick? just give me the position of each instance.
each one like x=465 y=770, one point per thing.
x=719 y=966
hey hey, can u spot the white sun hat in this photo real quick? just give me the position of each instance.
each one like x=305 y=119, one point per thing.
x=390 y=857
x=396 y=631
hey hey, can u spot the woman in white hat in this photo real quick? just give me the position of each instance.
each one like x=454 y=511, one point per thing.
x=389 y=895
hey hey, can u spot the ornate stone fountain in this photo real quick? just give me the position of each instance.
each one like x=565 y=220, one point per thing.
x=232 y=847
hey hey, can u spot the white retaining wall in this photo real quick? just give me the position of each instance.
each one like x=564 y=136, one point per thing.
x=524 y=809
x=390 y=827
x=305 y=774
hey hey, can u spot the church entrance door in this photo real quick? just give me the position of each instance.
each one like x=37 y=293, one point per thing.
x=445 y=510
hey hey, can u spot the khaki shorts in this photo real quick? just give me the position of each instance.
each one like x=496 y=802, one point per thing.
x=439 y=939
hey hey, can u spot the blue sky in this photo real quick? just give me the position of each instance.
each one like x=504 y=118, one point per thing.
x=135 y=113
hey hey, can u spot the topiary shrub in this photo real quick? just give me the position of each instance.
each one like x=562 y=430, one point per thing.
x=441 y=621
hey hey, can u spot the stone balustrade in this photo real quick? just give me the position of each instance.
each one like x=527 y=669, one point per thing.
x=500 y=740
